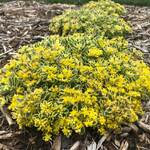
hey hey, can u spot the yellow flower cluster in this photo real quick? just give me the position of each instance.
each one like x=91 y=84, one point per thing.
x=97 y=18
x=106 y=5
x=69 y=83
x=95 y=52
x=77 y=87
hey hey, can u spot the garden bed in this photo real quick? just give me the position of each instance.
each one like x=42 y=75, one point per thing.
x=24 y=23
x=27 y=22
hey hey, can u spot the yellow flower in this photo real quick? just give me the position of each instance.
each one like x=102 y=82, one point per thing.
x=102 y=131
x=4 y=80
x=102 y=120
x=67 y=73
x=74 y=113
x=2 y=101
x=133 y=94
x=66 y=27
x=19 y=90
x=95 y=52
x=47 y=137
x=118 y=28
x=85 y=69
x=39 y=49
x=68 y=62
x=54 y=89
x=66 y=131
x=78 y=127
x=45 y=107
x=111 y=50
x=88 y=123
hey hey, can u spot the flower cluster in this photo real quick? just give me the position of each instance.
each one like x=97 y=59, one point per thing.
x=66 y=84
x=102 y=17
x=71 y=83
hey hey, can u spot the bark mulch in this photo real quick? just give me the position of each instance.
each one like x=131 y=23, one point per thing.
x=139 y=18
x=25 y=22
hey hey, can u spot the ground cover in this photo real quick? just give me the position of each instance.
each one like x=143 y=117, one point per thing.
x=140 y=26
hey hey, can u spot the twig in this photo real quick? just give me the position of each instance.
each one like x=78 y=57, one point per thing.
x=9 y=135
x=134 y=128
x=57 y=143
x=3 y=132
x=141 y=49
x=145 y=34
x=144 y=126
x=7 y=116
x=5 y=53
x=75 y=146
x=2 y=121
x=5 y=147
x=139 y=147
x=124 y=145
x=92 y=146
x=101 y=141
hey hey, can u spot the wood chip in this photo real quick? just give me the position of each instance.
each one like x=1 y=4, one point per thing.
x=57 y=143
x=134 y=128
x=102 y=140
x=144 y=126
x=124 y=145
x=7 y=116
x=9 y=135
x=92 y=146
x=76 y=146
x=5 y=147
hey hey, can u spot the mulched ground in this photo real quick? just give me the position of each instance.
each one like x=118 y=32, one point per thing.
x=139 y=17
x=27 y=22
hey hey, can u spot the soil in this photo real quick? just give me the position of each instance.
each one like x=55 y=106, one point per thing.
x=25 y=22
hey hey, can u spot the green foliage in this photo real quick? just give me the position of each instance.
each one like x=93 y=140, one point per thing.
x=98 y=18
x=86 y=79
x=71 y=83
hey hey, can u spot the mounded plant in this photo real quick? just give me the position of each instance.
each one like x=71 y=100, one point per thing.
x=67 y=84
x=97 y=18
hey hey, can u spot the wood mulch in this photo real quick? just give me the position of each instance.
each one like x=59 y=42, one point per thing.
x=139 y=17
x=25 y=22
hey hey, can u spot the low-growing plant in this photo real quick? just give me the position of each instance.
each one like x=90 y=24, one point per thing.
x=87 y=78
x=67 y=84
x=97 y=18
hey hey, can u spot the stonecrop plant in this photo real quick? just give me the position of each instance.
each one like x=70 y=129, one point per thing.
x=97 y=18
x=67 y=84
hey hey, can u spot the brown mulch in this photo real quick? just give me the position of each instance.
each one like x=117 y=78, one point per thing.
x=25 y=22
x=139 y=18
